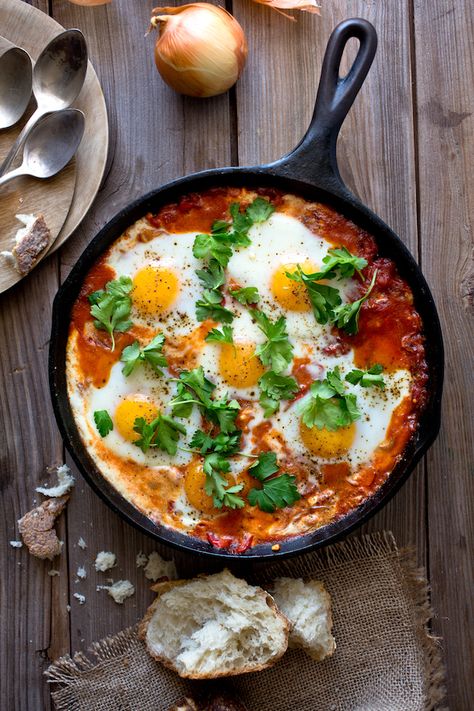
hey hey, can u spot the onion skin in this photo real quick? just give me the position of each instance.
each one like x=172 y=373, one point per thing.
x=201 y=49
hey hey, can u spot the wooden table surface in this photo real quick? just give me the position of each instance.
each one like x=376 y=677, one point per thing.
x=406 y=149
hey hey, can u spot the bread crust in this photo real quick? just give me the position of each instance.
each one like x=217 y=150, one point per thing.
x=37 y=528
x=162 y=588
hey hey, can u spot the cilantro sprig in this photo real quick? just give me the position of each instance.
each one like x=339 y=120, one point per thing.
x=224 y=336
x=111 y=307
x=246 y=295
x=273 y=388
x=193 y=388
x=339 y=262
x=346 y=316
x=323 y=298
x=276 y=491
x=329 y=406
x=216 y=465
x=103 y=422
x=209 y=306
x=162 y=432
x=367 y=378
x=152 y=354
x=277 y=351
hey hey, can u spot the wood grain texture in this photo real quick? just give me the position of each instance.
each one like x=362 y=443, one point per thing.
x=403 y=125
x=445 y=76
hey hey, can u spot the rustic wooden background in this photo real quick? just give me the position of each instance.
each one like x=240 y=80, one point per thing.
x=406 y=149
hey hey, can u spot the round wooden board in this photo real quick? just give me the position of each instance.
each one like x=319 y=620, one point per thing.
x=52 y=198
x=32 y=29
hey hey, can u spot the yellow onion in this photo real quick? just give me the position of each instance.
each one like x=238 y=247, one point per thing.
x=201 y=49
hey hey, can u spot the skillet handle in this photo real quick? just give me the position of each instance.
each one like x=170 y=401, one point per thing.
x=314 y=158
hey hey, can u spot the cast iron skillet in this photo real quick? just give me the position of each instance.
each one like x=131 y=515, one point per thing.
x=310 y=171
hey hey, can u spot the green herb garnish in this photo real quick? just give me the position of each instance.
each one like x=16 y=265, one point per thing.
x=323 y=298
x=276 y=492
x=210 y=306
x=339 y=261
x=273 y=388
x=151 y=354
x=193 y=388
x=329 y=405
x=246 y=295
x=277 y=352
x=111 y=307
x=224 y=336
x=346 y=316
x=367 y=378
x=163 y=432
x=103 y=422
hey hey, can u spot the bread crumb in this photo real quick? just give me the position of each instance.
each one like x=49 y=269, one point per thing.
x=53 y=572
x=158 y=568
x=104 y=561
x=37 y=528
x=81 y=573
x=68 y=608
x=119 y=591
x=80 y=598
x=16 y=544
x=141 y=560
x=81 y=543
x=65 y=483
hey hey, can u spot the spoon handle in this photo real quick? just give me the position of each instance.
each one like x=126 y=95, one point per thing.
x=12 y=174
x=18 y=145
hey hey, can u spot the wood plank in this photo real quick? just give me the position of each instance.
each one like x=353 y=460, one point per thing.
x=375 y=150
x=29 y=443
x=156 y=136
x=445 y=75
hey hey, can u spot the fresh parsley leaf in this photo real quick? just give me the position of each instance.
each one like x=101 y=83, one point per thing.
x=329 y=405
x=224 y=336
x=111 y=307
x=241 y=223
x=346 y=316
x=103 y=422
x=223 y=413
x=212 y=276
x=210 y=307
x=223 y=443
x=342 y=261
x=214 y=466
x=275 y=493
x=323 y=298
x=209 y=247
x=273 y=388
x=367 y=378
x=264 y=466
x=260 y=210
x=163 y=432
x=195 y=388
x=152 y=354
x=277 y=352
x=246 y=295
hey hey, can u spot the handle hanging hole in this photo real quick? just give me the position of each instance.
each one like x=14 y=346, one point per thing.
x=348 y=57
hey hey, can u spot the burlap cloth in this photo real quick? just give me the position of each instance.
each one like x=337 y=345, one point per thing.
x=385 y=659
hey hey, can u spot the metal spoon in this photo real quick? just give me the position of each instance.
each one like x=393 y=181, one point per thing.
x=16 y=74
x=50 y=145
x=58 y=77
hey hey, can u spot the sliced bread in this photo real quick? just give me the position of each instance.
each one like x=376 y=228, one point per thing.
x=215 y=625
x=308 y=608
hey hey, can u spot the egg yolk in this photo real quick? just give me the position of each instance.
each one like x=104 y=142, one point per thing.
x=239 y=366
x=154 y=289
x=327 y=444
x=128 y=411
x=194 y=481
x=291 y=295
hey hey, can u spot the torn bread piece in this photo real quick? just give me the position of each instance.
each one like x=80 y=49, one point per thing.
x=308 y=608
x=37 y=528
x=157 y=567
x=30 y=243
x=105 y=560
x=213 y=626
x=65 y=483
x=119 y=591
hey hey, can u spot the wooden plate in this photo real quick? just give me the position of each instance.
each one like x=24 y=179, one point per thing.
x=32 y=29
x=51 y=198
